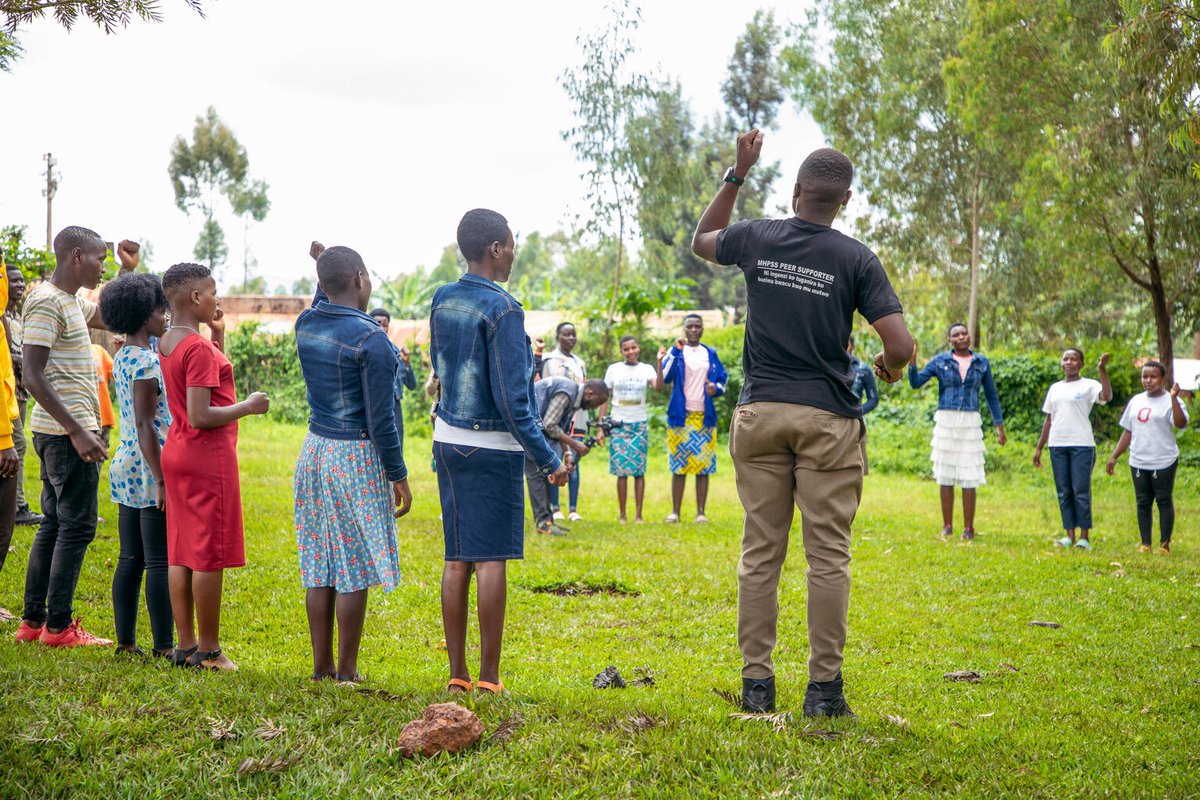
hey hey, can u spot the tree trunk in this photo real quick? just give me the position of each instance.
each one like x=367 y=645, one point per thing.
x=973 y=301
x=612 y=306
x=1162 y=326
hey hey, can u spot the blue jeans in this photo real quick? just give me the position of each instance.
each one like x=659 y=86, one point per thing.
x=1073 y=479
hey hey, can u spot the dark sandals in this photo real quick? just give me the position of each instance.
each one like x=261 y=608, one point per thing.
x=198 y=657
x=180 y=657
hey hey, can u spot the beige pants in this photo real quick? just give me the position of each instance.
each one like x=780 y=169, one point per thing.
x=789 y=456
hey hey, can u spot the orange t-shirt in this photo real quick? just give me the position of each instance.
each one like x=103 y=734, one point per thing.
x=104 y=371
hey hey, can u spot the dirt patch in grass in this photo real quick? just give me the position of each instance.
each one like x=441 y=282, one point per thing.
x=583 y=589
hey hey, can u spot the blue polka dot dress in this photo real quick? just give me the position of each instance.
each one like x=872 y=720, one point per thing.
x=132 y=483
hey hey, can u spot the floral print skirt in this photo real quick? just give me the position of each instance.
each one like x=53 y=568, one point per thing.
x=345 y=531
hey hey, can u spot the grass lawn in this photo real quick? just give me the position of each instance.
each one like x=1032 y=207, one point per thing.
x=1106 y=705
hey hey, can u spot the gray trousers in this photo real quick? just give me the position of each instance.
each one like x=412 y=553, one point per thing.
x=539 y=494
x=19 y=443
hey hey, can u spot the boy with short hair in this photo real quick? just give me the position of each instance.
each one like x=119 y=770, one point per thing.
x=61 y=376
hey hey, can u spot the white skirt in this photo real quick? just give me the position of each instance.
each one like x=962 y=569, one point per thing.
x=958 y=449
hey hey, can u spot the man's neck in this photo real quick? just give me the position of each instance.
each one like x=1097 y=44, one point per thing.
x=65 y=281
x=481 y=271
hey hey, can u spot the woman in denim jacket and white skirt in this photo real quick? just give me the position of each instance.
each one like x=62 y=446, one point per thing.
x=958 y=450
x=486 y=422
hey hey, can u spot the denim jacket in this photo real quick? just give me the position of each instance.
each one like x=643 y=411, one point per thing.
x=677 y=405
x=349 y=370
x=864 y=384
x=954 y=394
x=481 y=354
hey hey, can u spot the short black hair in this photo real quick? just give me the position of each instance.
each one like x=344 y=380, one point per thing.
x=954 y=325
x=1075 y=350
x=127 y=302
x=561 y=325
x=629 y=337
x=183 y=276
x=693 y=315
x=380 y=312
x=599 y=389
x=826 y=174
x=478 y=229
x=1158 y=365
x=337 y=266
x=74 y=236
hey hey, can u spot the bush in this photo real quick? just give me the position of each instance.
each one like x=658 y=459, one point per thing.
x=267 y=362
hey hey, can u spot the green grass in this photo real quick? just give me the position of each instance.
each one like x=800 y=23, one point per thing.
x=1106 y=705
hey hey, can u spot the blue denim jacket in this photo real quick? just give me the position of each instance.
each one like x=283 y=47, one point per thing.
x=954 y=394
x=864 y=384
x=349 y=369
x=677 y=405
x=481 y=354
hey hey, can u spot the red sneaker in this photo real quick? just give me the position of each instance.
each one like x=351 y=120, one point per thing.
x=72 y=636
x=28 y=633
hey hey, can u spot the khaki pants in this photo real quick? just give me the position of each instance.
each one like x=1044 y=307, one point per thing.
x=787 y=456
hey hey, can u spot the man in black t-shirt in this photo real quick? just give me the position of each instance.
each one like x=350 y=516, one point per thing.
x=795 y=436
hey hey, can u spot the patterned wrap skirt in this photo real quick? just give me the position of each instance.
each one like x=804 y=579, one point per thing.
x=345 y=531
x=692 y=449
x=958 y=449
x=628 y=449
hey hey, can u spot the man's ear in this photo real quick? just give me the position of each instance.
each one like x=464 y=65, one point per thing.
x=846 y=199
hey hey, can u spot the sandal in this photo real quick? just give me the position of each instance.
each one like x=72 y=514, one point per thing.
x=494 y=688
x=465 y=685
x=180 y=657
x=671 y=518
x=1083 y=544
x=1065 y=543
x=701 y=519
x=196 y=659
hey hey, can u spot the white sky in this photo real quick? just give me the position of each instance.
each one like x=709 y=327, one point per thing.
x=376 y=126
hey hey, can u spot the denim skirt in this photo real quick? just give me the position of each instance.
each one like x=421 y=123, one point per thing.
x=483 y=502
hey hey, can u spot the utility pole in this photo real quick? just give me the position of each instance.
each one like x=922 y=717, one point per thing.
x=49 y=192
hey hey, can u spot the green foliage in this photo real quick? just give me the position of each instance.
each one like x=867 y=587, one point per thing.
x=34 y=262
x=109 y=16
x=255 y=285
x=267 y=362
x=211 y=249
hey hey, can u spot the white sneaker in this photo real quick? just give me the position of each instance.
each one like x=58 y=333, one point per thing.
x=574 y=517
x=559 y=515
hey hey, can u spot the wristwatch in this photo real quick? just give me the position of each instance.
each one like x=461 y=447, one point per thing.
x=734 y=179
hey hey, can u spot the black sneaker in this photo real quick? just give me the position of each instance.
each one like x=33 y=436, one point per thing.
x=826 y=699
x=27 y=516
x=758 y=695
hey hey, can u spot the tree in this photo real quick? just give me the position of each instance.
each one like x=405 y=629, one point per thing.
x=212 y=165
x=249 y=202
x=109 y=15
x=607 y=95
x=936 y=190
x=304 y=286
x=1099 y=169
x=256 y=285
x=1161 y=40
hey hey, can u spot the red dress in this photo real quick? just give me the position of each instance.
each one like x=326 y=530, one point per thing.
x=200 y=467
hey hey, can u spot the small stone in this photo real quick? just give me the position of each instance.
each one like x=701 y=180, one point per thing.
x=444 y=727
x=609 y=679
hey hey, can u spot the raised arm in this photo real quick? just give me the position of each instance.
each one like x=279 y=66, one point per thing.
x=1106 y=392
x=716 y=217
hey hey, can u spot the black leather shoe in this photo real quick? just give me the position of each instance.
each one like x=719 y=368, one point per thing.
x=826 y=699
x=758 y=695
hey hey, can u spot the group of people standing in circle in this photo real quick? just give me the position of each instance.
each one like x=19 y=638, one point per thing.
x=1149 y=422
x=695 y=375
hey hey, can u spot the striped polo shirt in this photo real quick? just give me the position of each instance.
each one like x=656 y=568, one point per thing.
x=59 y=321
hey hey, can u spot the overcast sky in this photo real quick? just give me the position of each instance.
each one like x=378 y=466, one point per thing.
x=376 y=126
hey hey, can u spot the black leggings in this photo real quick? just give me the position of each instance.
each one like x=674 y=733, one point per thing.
x=1150 y=486
x=143 y=533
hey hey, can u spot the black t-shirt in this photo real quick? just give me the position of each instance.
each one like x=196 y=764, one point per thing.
x=803 y=284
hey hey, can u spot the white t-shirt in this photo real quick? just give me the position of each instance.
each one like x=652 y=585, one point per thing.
x=627 y=385
x=469 y=437
x=1069 y=404
x=1152 y=424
